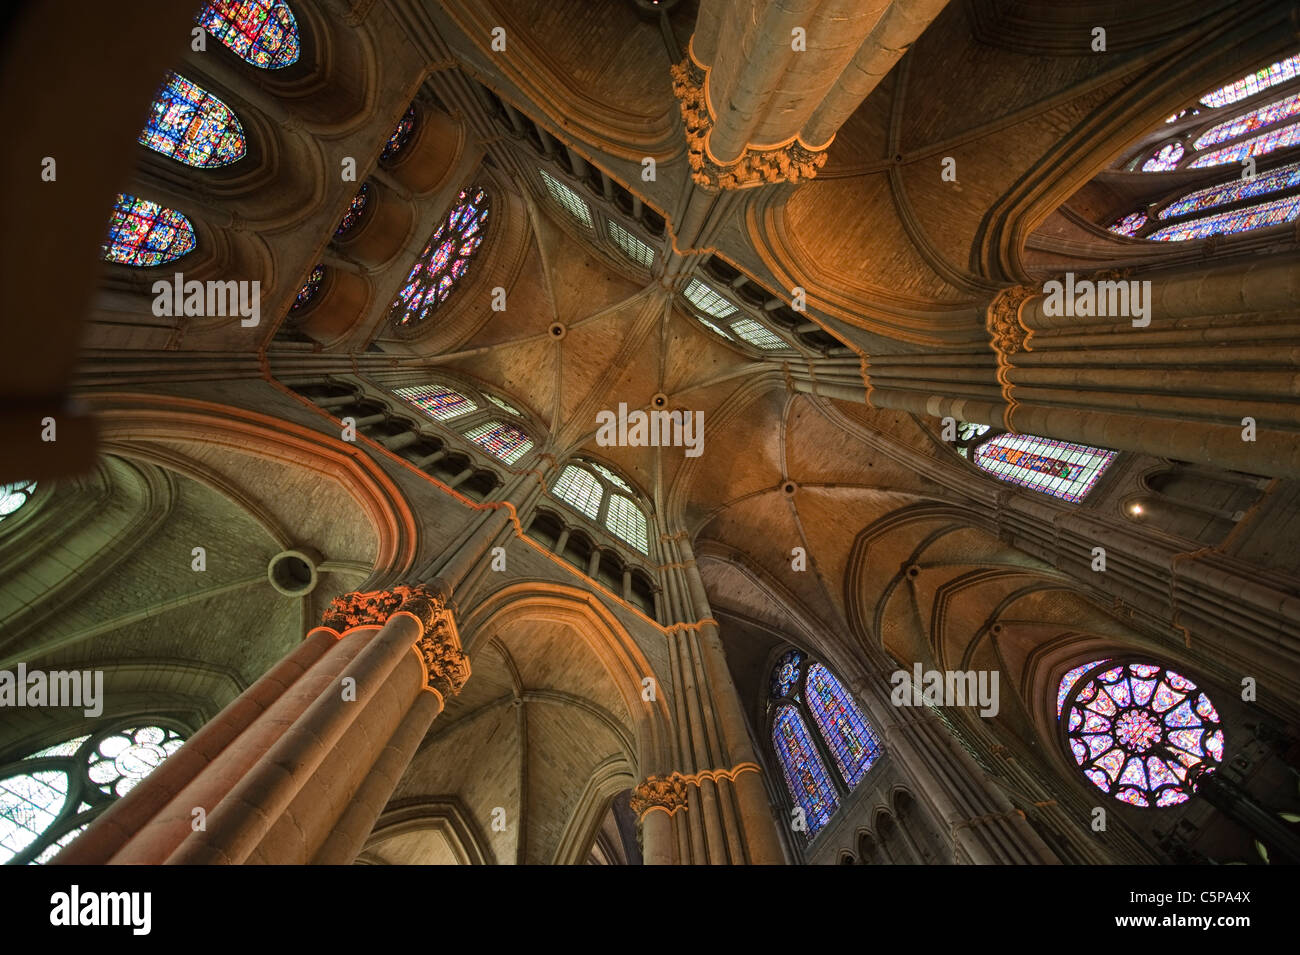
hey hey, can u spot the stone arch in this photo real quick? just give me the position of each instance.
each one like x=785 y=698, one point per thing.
x=426 y=831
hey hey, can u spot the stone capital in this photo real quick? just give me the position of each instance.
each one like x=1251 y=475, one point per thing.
x=792 y=162
x=445 y=665
x=660 y=792
x=372 y=608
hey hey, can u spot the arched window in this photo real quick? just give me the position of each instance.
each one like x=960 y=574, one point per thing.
x=477 y=418
x=803 y=692
x=1135 y=729
x=501 y=440
x=1254 y=118
x=724 y=317
x=593 y=490
x=14 y=495
x=567 y=199
x=143 y=233
x=1059 y=468
x=49 y=797
x=842 y=725
x=190 y=125
x=309 y=289
x=805 y=773
x=262 y=32
x=437 y=401
x=632 y=246
x=400 y=136
x=355 y=209
x=445 y=260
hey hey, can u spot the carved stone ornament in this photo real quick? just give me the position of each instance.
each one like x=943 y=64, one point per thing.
x=791 y=163
x=659 y=792
x=1006 y=333
x=444 y=662
x=372 y=608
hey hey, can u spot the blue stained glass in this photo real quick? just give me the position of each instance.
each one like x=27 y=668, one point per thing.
x=190 y=125
x=143 y=233
x=842 y=725
x=786 y=673
x=400 y=136
x=444 y=261
x=1283 y=177
x=1258 y=216
x=262 y=32
x=805 y=774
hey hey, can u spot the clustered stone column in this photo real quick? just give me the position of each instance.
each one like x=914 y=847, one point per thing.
x=298 y=768
x=985 y=828
x=765 y=86
x=725 y=817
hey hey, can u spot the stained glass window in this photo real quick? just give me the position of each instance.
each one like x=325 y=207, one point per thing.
x=1256 y=146
x=785 y=675
x=445 y=260
x=309 y=289
x=707 y=300
x=1063 y=470
x=15 y=495
x=1252 y=83
x=757 y=335
x=573 y=203
x=262 y=32
x=192 y=126
x=1129 y=223
x=633 y=247
x=805 y=773
x=501 y=440
x=579 y=490
x=438 y=402
x=355 y=208
x=627 y=522
x=845 y=730
x=1250 y=122
x=1284 y=177
x=143 y=233
x=1068 y=680
x=400 y=136
x=1258 y=216
x=58 y=790
x=1135 y=729
x=1164 y=159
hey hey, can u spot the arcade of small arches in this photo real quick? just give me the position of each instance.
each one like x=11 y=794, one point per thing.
x=655 y=658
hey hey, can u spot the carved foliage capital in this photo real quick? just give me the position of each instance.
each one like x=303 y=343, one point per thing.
x=660 y=792
x=444 y=661
x=755 y=167
x=374 y=607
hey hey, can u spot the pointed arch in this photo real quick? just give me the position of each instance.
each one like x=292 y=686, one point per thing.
x=191 y=125
x=261 y=32
x=143 y=233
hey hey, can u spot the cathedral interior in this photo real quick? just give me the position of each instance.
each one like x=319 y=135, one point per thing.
x=688 y=432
